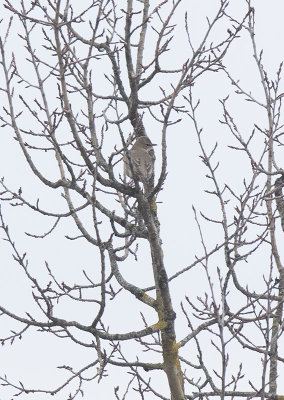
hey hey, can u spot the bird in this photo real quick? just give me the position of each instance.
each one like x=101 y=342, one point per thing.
x=142 y=160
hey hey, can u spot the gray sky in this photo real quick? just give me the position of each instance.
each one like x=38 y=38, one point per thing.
x=34 y=358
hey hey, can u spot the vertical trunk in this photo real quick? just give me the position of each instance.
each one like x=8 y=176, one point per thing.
x=165 y=309
x=277 y=319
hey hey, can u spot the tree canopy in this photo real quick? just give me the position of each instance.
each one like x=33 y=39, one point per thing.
x=171 y=288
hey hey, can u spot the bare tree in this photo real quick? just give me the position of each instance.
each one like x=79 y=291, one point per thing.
x=94 y=78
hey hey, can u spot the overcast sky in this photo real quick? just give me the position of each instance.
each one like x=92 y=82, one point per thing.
x=33 y=360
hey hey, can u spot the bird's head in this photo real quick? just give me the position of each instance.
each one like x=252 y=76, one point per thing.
x=144 y=142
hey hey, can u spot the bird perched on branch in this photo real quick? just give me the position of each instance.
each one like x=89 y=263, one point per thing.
x=139 y=161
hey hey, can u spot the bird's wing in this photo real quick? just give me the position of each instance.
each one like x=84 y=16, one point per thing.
x=149 y=166
x=142 y=163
